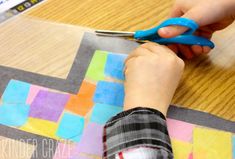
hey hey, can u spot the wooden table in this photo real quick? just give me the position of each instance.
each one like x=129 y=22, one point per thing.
x=208 y=82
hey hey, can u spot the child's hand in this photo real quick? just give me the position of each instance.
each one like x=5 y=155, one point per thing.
x=211 y=15
x=152 y=75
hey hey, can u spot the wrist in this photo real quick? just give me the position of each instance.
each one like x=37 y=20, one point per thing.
x=149 y=101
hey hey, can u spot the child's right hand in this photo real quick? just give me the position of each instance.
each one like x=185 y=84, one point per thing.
x=211 y=15
x=152 y=75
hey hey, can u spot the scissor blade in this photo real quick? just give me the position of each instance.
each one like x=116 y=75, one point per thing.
x=114 y=33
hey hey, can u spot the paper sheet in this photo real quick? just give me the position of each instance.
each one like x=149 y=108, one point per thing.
x=115 y=65
x=101 y=113
x=16 y=92
x=82 y=103
x=41 y=127
x=13 y=114
x=96 y=68
x=71 y=127
x=211 y=144
x=180 y=130
x=48 y=105
x=91 y=141
x=181 y=150
x=109 y=93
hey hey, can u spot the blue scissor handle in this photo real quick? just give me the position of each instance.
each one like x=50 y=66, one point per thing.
x=186 y=38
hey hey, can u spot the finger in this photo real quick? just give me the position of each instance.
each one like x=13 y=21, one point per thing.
x=196 y=14
x=125 y=70
x=206 y=49
x=176 y=12
x=197 y=50
x=156 y=48
x=186 y=51
x=171 y=31
x=140 y=51
x=173 y=47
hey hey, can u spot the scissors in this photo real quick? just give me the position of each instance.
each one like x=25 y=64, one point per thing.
x=186 y=38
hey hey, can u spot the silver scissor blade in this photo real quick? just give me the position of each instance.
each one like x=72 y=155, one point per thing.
x=114 y=33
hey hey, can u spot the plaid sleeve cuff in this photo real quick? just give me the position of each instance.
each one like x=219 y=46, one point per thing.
x=138 y=127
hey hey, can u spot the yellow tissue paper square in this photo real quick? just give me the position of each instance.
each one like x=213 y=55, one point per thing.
x=181 y=150
x=41 y=127
x=211 y=144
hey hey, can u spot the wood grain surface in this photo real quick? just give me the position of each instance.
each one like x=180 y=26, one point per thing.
x=208 y=83
x=35 y=46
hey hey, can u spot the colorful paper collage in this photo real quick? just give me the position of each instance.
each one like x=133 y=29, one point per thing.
x=181 y=150
x=41 y=127
x=109 y=93
x=101 y=113
x=233 y=147
x=16 y=92
x=91 y=141
x=180 y=130
x=46 y=107
x=61 y=116
x=211 y=144
x=11 y=112
x=96 y=68
x=71 y=127
x=115 y=65
x=82 y=103
x=33 y=91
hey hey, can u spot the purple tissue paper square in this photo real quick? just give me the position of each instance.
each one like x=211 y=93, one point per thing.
x=48 y=105
x=91 y=141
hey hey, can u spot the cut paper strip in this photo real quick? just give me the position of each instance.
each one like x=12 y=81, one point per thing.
x=181 y=150
x=91 y=141
x=102 y=113
x=115 y=65
x=109 y=93
x=82 y=103
x=48 y=105
x=180 y=130
x=233 y=147
x=71 y=127
x=33 y=93
x=41 y=127
x=63 y=151
x=211 y=144
x=14 y=114
x=16 y=92
x=96 y=68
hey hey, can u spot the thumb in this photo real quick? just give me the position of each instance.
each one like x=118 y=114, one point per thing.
x=172 y=31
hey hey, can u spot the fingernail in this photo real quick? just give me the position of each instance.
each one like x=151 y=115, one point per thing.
x=165 y=31
x=206 y=49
